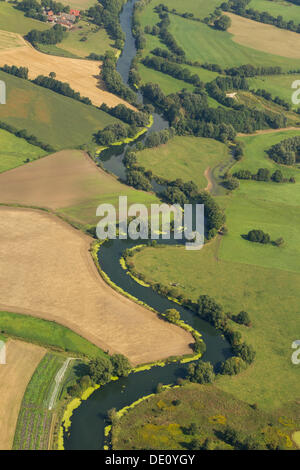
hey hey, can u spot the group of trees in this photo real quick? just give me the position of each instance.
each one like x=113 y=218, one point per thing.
x=23 y=134
x=239 y=7
x=190 y=114
x=114 y=133
x=285 y=152
x=62 y=88
x=113 y=79
x=277 y=100
x=154 y=139
x=217 y=89
x=100 y=370
x=263 y=174
x=165 y=36
x=53 y=35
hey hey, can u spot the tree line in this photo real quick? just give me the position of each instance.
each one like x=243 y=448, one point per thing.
x=263 y=174
x=23 y=134
x=107 y=14
x=53 y=35
x=113 y=79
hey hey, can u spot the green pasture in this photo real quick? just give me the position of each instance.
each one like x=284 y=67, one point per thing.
x=14 y=20
x=15 y=151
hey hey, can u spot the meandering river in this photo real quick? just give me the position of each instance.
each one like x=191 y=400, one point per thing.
x=89 y=420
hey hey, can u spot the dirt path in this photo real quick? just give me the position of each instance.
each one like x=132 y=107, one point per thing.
x=21 y=362
x=270 y=131
x=46 y=271
x=207 y=175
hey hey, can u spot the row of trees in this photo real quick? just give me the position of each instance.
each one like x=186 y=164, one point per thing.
x=173 y=69
x=131 y=117
x=165 y=36
x=277 y=100
x=23 y=134
x=263 y=174
x=285 y=152
x=62 y=88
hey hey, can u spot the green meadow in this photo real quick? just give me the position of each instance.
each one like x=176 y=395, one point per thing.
x=287 y=10
x=14 y=20
x=54 y=119
x=184 y=157
x=162 y=421
x=15 y=151
x=167 y=83
x=206 y=44
x=80 y=42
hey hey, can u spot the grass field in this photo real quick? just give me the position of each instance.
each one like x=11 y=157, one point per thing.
x=14 y=20
x=287 y=10
x=80 y=4
x=15 y=151
x=77 y=193
x=34 y=421
x=52 y=118
x=277 y=85
x=51 y=275
x=220 y=47
x=49 y=334
x=184 y=157
x=163 y=421
x=22 y=359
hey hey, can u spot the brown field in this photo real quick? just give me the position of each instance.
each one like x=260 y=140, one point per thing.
x=46 y=271
x=68 y=181
x=22 y=360
x=10 y=40
x=264 y=37
x=82 y=75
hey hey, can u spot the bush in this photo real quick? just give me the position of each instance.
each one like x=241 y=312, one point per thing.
x=100 y=370
x=243 y=318
x=201 y=372
x=172 y=315
x=121 y=365
x=258 y=236
x=232 y=366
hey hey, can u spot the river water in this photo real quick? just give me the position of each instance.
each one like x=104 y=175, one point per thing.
x=89 y=420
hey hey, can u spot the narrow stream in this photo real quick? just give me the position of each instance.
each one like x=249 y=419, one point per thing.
x=89 y=420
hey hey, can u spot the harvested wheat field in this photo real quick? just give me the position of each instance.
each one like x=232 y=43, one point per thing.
x=21 y=362
x=82 y=75
x=10 y=40
x=264 y=37
x=68 y=181
x=47 y=271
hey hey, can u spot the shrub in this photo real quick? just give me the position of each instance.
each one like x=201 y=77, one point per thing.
x=243 y=318
x=172 y=315
x=201 y=372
